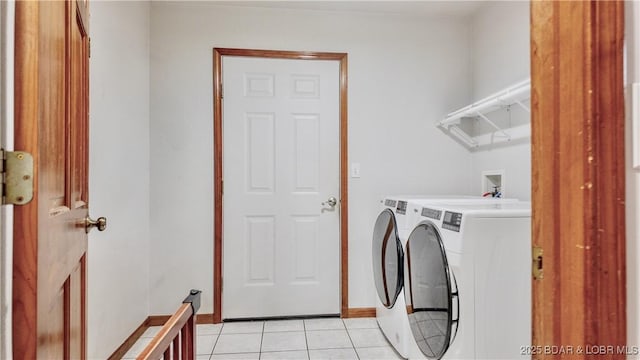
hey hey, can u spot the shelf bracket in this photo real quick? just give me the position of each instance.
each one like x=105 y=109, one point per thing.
x=523 y=106
x=494 y=125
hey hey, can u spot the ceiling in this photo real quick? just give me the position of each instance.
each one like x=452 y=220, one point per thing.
x=422 y=8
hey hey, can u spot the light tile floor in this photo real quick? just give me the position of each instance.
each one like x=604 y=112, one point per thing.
x=310 y=339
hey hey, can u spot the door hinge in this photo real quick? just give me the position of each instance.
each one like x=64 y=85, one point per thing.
x=17 y=177
x=221 y=91
x=222 y=187
x=536 y=266
x=89 y=50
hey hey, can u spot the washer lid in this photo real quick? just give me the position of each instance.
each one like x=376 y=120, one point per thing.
x=430 y=292
x=387 y=258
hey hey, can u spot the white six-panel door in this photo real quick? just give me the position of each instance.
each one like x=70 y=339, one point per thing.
x=281 y=246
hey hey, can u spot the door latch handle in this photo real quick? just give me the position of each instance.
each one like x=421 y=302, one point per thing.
x=89 y=224
x=332 y=201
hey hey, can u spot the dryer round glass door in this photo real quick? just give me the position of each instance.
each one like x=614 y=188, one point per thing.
x=387 y=258
x=430 y=293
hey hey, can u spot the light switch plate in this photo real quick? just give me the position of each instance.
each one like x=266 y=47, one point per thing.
x=355 y=170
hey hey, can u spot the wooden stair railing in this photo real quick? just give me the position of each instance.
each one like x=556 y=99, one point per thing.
x=177 y=338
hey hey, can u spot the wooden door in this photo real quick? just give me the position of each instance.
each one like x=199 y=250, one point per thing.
x=281 y=128
x=577 y=133
x=51 y=123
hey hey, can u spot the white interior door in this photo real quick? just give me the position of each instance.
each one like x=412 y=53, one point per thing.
x=281 y=246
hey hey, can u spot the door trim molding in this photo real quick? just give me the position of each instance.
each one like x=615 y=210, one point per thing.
x=578 y=173
x=218 y=176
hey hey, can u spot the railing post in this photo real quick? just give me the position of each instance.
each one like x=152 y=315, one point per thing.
x=194 y=300
x=189 y=334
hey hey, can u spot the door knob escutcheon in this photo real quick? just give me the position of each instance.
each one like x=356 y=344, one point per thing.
x=89 y=224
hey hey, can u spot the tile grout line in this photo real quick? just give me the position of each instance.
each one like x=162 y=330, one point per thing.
x=351 y=340
x=216 y=342
x=306 y=341
x=261 y=339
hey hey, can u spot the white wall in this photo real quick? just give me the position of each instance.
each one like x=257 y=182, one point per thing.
x=500 y=54
x=404 y=74
x=632 y=21
x=118 y=262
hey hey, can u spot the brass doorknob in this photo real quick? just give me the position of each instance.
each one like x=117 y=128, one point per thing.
x=332 y=201
x=89 y=224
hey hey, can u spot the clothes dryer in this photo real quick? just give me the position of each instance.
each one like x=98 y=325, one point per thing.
x=391 y=231
x=467 y=283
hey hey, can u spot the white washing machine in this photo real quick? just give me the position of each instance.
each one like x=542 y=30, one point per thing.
x=467 y=281
x=390 y=234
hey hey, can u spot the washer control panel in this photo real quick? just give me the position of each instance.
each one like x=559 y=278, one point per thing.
x=431 y=213
x=402 y=207
x=390 y=203
x=452 y=221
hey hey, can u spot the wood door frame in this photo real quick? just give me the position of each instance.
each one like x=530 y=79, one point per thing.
x=218 y=53
x=578 y=174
